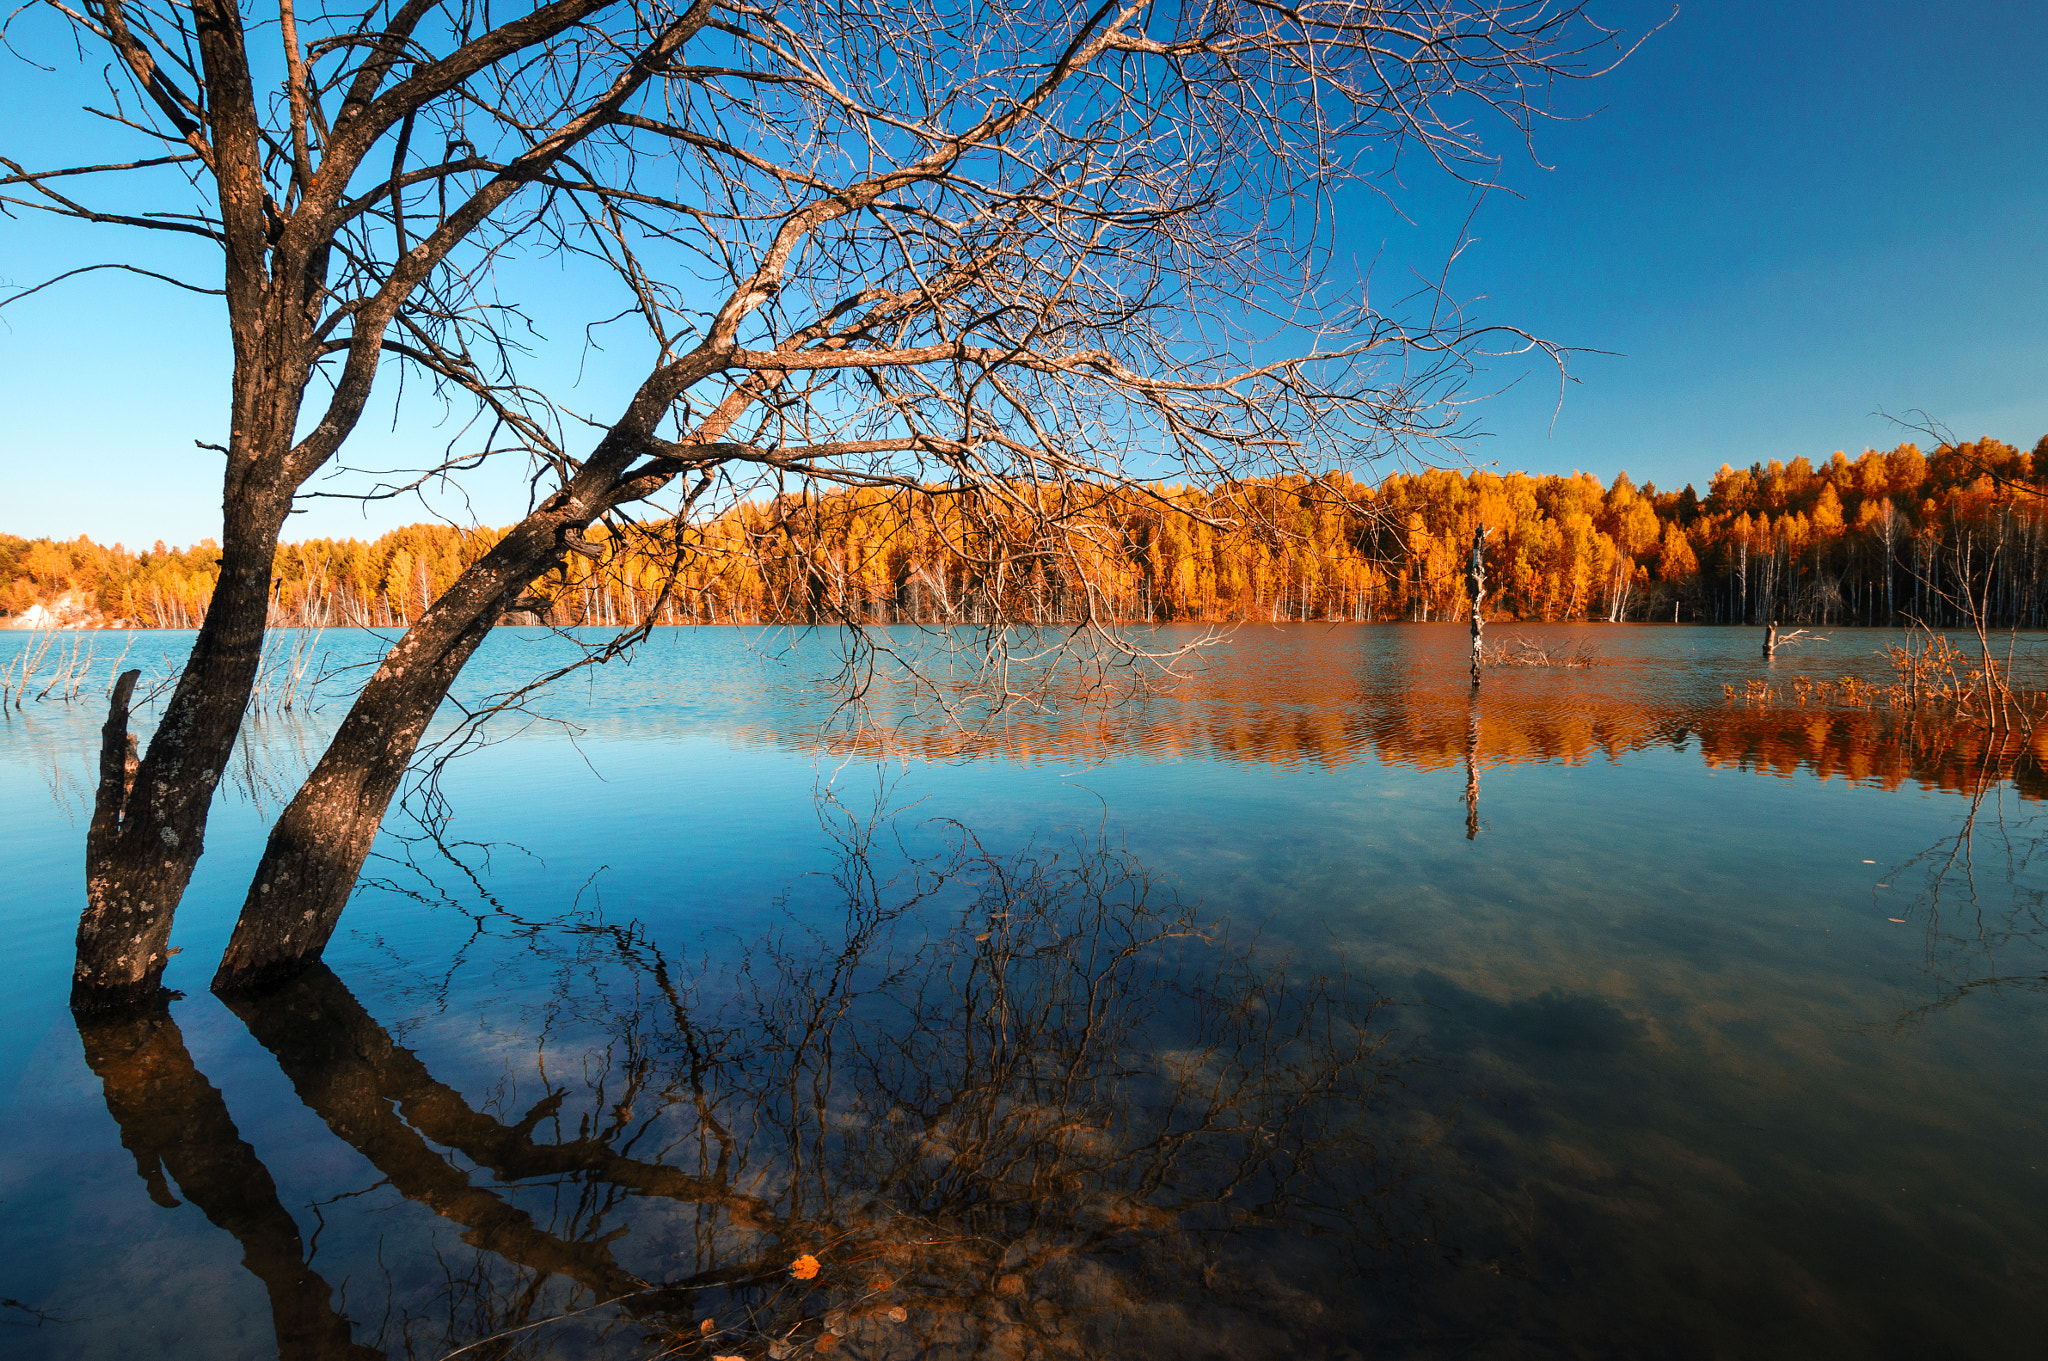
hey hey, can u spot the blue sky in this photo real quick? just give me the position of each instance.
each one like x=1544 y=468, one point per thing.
x=1778 y=220
x=1786 y=219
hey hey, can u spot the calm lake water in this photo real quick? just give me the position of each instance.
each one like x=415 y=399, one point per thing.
x=1300 y=1007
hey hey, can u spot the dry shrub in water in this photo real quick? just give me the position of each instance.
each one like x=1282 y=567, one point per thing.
x=1525 y=653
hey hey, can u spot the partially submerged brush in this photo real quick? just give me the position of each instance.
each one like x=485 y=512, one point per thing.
x=1525 y=653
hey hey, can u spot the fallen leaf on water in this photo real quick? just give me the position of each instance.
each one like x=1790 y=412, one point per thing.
x=826 y=1342
x=728 y=1358
x=1870 y=862
x=1900 y=920
x=899 y=1315
x=707 y=1326
x=804 y=1267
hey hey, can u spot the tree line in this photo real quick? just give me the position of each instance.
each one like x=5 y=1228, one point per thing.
x=381 y=582
x=1890 y=535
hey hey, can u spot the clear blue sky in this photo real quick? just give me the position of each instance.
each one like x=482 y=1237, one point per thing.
x=1780 y=219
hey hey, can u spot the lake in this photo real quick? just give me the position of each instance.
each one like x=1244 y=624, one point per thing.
x=1300 y=1004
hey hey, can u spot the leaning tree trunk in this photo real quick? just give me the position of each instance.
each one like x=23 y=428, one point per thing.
x=149 y=817
x=317 y=847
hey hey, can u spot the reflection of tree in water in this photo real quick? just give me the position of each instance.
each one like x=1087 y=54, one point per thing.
x=1472 y=768
x=178 y=1128
x=1981 y=904
x=1013 y=1105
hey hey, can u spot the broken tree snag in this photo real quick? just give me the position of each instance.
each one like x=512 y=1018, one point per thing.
x=117 y=768
x=1475 y=587
x=1771 y=639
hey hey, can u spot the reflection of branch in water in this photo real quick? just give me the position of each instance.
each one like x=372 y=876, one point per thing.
x=273 y=759
x=1065 y=1114
x=1971 y=942
x=1013 y=1104
x=20 y=1315
x=174 y=1122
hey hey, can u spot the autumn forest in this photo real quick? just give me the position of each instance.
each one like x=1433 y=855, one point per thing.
x=1888 y=536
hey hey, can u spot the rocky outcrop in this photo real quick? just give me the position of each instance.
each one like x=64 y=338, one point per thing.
x=67 y=611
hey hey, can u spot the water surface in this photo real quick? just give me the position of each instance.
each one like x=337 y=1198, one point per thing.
x=1303 y=1006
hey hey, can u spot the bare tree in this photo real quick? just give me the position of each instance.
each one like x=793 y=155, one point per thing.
x=358 y=190
x=1016 y=261
x=1002 y=254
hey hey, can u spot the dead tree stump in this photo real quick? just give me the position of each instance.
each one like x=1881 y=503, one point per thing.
x=1475 y=587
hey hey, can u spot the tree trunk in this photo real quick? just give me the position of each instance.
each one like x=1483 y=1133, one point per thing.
x=317 y=847
x=1475 y=586
x=148 y=828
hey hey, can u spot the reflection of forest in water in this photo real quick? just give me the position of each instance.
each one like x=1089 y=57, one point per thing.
x=1329 y=698
x=1019 y=1105
x=1564 y=719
